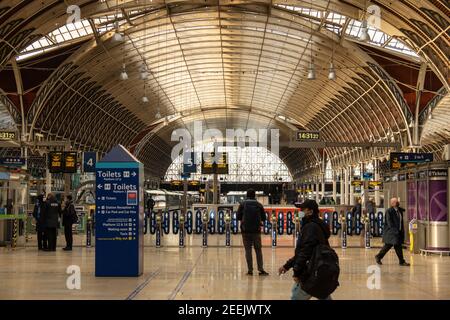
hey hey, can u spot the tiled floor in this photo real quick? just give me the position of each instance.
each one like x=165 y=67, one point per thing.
x=213 y=273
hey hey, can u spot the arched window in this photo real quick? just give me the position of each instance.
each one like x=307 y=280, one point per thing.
x=248 y=164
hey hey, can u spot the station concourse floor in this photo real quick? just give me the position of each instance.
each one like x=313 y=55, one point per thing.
x=215 y=272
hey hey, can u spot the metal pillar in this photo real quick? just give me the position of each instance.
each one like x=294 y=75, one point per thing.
x=352 y=197
x=344 y=186
x=376 y=168
x=334 y=186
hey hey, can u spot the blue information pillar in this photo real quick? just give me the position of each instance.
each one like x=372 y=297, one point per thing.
x=119 y=215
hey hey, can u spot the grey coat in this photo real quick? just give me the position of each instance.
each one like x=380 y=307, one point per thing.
x=393 y=232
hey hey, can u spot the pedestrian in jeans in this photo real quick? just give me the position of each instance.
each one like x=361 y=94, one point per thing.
x=313 y=232
x=69 y=217
x=39 y=215
x=251 y=214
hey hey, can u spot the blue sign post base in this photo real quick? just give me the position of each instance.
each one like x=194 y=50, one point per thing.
x=119 y=215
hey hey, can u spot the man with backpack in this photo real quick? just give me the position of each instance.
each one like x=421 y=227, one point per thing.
x=69 y=217
x=315 y=264
x=251 y=214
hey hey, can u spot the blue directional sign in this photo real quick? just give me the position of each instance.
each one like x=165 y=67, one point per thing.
x=189 y=165
x=119 y=215
x=12 y=161
x=89 y=161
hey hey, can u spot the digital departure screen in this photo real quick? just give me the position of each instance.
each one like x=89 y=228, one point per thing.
x=70 y=162
x=212 y=164
x=55 y=162
x=400 y=160
x=307 y=136
x=62 y=162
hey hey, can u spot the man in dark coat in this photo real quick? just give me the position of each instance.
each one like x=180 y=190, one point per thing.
x=52 y=214
x=251 y=213
x=39 y=216
x=69 y=217
x=394 y=232
x=314 y=231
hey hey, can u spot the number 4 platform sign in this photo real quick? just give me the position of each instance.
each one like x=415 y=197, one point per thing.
x=119 y=215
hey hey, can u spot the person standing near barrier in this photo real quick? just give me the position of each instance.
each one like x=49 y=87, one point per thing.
x=394 y=233
x=39 y=216
x=251 y=214
x=52 y=214
x=69 y=217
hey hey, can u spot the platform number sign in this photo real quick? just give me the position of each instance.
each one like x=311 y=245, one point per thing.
x=89 y=161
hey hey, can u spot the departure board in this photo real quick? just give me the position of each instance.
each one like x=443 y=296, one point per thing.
x=307 y=135
x=212 y=164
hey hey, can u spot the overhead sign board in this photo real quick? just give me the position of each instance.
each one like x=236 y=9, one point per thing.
x=303 y=135
x=56 y=162
x=212 y=164
x=400 y=160
x=12 y=161
x=70 y=162
x=119 y=215
x=89 y=161
x=189 y=165
x=8 y=135
x=357 y=183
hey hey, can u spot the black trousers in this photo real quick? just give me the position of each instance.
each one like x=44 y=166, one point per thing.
x=398 y=250
x=42 y=238
x=51 y=236
x=249 y=240
x=69 y=236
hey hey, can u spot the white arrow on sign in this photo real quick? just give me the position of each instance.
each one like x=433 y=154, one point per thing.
x=134 y=174
x=99 y=186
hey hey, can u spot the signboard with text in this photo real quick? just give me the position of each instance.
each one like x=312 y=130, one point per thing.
x=214 y=164
x=119 y=215
x=400 y=160
x=8 y=135
x=307 y=135
x=89 y=161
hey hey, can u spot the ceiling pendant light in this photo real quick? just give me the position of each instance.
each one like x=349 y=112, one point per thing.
x=123 y=73
x=332 y=72
x=145 y=99
x=117 y=36
x=143 y=75
x=364 y=36
x=430 y=116
x=311 y=71
x=158 y=114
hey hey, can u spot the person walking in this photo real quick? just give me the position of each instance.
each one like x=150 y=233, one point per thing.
x=251 y=214
x=394 y=233
x=69 y=217
x=314 y=235
x=52 y=214
x=39 y=216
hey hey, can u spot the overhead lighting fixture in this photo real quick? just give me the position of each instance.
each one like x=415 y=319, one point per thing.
x=158 y=115
x=332 y=72
x=411 y=124
x=145 y=99
x=311 y=71
x=123 y=73
x=143 y=72
x=430 y=116
x=117 y=36
x=364 y=36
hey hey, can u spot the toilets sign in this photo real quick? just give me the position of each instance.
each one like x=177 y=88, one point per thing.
x=118 y=218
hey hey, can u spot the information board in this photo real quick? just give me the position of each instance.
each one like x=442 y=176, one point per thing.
x=303 y=135
x=399 y=160
x=56 y=162
x=119 y=216
x=212 y=164
x=70 y=162
x=89 y=161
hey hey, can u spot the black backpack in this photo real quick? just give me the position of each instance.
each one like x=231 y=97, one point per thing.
x=323 y=272
x=251 y=220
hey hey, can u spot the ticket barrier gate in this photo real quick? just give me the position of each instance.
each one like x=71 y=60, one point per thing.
x=372 y=224
x=342 y=222
x=326 y=218
x=267 y=226
x=349 y=223
x=221 y=222
x=189 y=222
x=182 y=227
x=146 y=222
x=234 y=223
x=358 y=224
x=198 y=222
x=335 y=226
x=159 y=221
x=289 y=223
x=176 y=222
x=166 y=222
x=152 y=222
x=205 y=222
x=280 y=223
x=227 y=220
x=367 y=232
x=298 y=226
x=273 y=218
x=380 y=224
x=212 y=222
